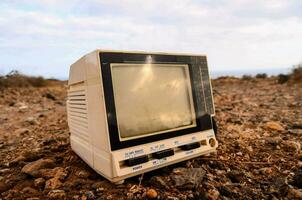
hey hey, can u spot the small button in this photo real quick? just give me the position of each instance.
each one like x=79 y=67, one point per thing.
x=137 y=160
x=163 y=154
x=190 y=146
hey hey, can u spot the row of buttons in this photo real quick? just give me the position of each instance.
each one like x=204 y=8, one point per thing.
x=160 y=154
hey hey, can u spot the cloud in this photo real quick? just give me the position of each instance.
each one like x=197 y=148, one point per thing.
x=47 y=36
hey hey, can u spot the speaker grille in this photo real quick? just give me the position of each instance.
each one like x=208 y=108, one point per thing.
x=77 y=113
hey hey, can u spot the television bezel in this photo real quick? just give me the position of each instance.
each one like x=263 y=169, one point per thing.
x=195 y=65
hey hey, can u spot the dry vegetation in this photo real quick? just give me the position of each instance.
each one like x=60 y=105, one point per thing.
x=259 y=154
x=15 y=79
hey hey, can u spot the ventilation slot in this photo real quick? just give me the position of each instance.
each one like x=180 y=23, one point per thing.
x=77 y=113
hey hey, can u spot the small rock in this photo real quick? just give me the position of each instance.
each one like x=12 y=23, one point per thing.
x=249 y=148
x=49 y=95
x=3 y=187
x=12 y=103
x=59 y=174
x=190 y=196
x=76 y=197
x=274 y=126
x=235 y=176
x=51 y=173
x=99 y=184
x=158 y=182
x=227 y=192
x=23 y=108
x=29 y=190
x=299 y=165
x=32 y=155
x=83 y=174
x=297 y=179
x=48 y=141
x=33 y=167
x=151 y=193
x=187 y=178
x=266 y=170
x=99 y=190
x=16 y=161
x=21 y=131
x=292 y=146
x=31 y=120
x=39 y=183
x=53 y=183
x=88 y=195
x=274 y=141
x=4 y=171
x=213 y=194
x=294 y=194
x=56 y=194
x=239 y=153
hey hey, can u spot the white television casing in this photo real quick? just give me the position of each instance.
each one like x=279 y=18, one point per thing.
x=89 y=132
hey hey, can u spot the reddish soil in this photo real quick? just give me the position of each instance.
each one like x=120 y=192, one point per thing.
x=259 y=154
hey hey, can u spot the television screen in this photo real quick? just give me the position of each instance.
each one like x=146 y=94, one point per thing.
x=152 y=99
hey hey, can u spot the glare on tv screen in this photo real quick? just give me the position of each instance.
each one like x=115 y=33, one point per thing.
x=152 y=99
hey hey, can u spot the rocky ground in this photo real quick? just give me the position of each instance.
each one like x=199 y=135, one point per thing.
x=259 y=154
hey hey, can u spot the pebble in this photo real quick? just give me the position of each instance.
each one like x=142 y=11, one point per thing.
x=235 y=176
x=59 y=174
x=53 y=183
x=274 y=141
x=292 y=146
x=249 y=148
x=294 y=194
x=266 y=170
x=48 y=141
x=39 y=183
x=297 y=179
x=23 y=108
x=83 y=174
x=57 y=194
x=274 y=126
x=21 y=131
x=151 y=193
x=49 y=95
x=4 y=171
x=31 y=120
x=3 y=187
x=188 y=178
x=213 y=194
x=158 y=182
x=88 y=195
x=100 y=189
x=29 y=190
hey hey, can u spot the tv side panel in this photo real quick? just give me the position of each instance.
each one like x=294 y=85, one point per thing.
x=97 y=116
x=77 y=112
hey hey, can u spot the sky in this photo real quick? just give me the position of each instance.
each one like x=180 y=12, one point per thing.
x=44 y=37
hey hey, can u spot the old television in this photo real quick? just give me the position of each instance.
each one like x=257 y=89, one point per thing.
x=133 y=112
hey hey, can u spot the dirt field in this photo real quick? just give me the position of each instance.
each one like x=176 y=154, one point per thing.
x=259 y=154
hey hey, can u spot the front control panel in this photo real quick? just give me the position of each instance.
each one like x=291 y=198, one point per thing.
x=154 y=155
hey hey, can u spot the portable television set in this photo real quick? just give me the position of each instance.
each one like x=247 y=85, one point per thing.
x=133 y=112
